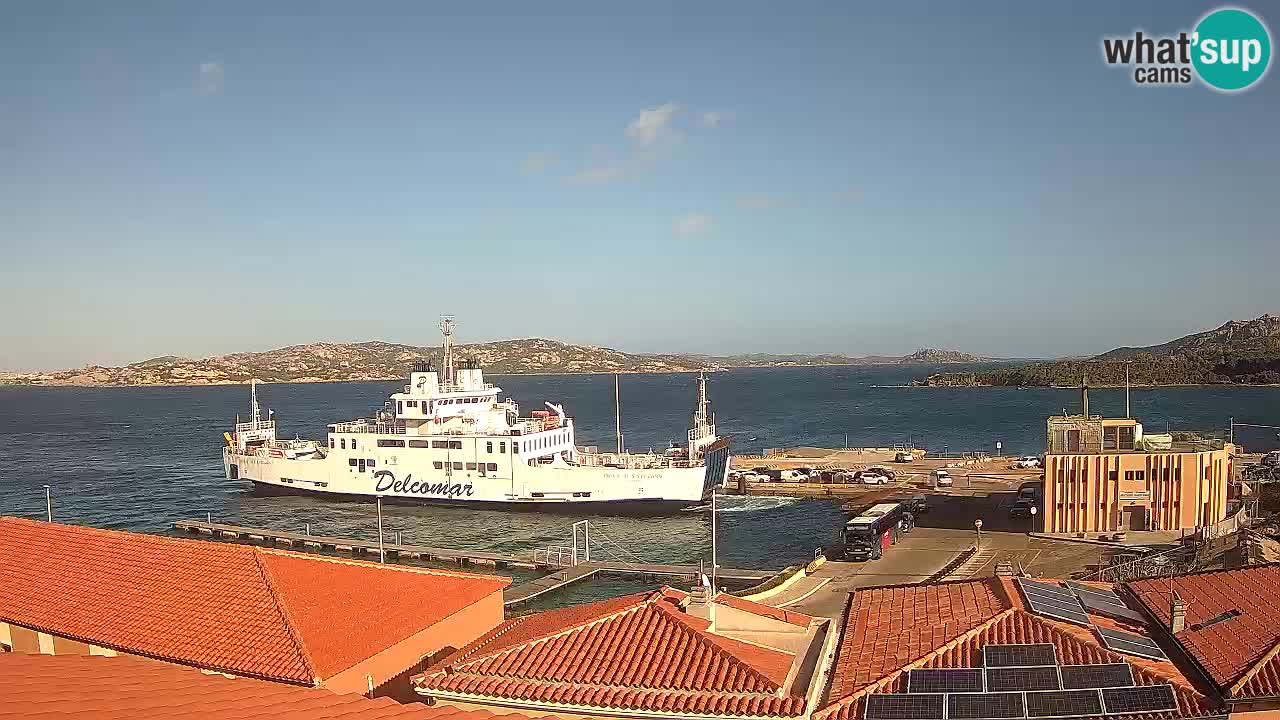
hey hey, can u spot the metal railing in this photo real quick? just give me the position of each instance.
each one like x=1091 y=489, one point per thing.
x=555 y=556
x=260 y=425
x=366 y=427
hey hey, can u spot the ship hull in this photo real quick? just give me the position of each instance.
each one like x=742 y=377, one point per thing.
x=403 y=478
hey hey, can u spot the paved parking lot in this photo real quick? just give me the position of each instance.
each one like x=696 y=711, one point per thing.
x=944 y=532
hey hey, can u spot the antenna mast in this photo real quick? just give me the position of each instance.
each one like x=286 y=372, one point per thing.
x=617 y=411
x=446 y=327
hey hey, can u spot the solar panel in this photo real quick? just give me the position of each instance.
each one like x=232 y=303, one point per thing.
x=1046 y=589
x=905 y=707
x=941 y=681
x=985 y=706
x=1075 y=677
x=1131 y=644
x=1022 y=678
x=1105 y=602
x=1075 y=614
x=1148 y=698
x=1063 y=703
x=1019 y=655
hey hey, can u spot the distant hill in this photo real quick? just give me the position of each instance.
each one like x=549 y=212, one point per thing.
x=1242 y=352
x=324 y=362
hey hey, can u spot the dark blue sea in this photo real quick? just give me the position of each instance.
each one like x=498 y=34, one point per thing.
x=142 y=458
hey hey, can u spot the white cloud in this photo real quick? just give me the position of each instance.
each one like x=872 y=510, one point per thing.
x=711 y=119
x=538 y=161
x=758 y=202
x=653 y=125
x=692 y=224
x=209 y=78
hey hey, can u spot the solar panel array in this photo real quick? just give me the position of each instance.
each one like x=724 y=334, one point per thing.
x=1132 y=644
x=1019 y=655
x=1104 y=602
x=943 y=681
x=1021 y=682
x=1076 y=677
x=1054 y=601
x=1023 y=678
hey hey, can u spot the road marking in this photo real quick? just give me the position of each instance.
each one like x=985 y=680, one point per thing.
x=969 y=568
x=806 y=596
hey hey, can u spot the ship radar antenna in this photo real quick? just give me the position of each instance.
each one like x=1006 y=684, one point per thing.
x=253 y=402
x=446 y=328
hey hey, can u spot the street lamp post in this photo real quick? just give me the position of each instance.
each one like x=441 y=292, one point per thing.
x=382 y=554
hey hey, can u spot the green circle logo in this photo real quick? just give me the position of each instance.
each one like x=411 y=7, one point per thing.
x=1231 y=49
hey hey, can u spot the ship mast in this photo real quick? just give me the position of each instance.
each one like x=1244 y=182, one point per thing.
x=253 y=402
x=446 y=327
x=617 y=411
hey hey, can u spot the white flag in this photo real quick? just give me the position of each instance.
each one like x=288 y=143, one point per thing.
x=706 y=581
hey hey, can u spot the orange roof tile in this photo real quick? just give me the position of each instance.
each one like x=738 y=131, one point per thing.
x=125 y=688
x=894 y=629
x=244 y=610
x=1239 y=652
x=638 y=652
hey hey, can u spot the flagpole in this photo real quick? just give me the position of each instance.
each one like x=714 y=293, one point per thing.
x=715 y=582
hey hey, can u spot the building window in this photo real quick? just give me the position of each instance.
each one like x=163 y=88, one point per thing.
x=399 y=407
x=455 y=444
x=493 y=467
x=1125 y=440
x=353 y=462
x=1109 y=438
x=1113 y=475
x=331 y=443
x=471 y=466
x=457 y=466
x=344 y=443
x=488 y=447
x=439 y=443
x=438 y=465
x=419 y=444
x=502 y=448
x=1073 y=441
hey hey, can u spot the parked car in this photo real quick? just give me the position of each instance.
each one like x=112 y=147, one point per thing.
x=904 y=456
x=1029 y=492
x=873 y=478
x=883 y=471
x=1023 y=508
x=1026 y=462
x=941 y=478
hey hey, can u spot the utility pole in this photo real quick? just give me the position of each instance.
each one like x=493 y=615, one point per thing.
x=48 y=504
x=382 y=554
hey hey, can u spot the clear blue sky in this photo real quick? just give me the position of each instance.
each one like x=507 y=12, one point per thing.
x=712 y=177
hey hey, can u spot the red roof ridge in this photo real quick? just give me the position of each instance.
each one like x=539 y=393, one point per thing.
x=474 y=651
x=714 y=641
x=295 y=637
x=1255 y=668
x=635 y=697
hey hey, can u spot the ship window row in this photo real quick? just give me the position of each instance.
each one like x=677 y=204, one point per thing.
x=362 y=463
x=343 y=443
x=485 y=467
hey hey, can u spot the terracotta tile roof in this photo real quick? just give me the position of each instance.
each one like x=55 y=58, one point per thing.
x=947 y=625
x=888 y=627
x=125 y=688
x=244 y=610
x=638 y=652
x=1239 y=652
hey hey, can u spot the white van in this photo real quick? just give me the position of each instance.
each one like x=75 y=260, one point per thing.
x=941 y=478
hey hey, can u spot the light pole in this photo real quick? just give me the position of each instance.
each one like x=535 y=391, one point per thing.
x=382 y=554
x=48 y=504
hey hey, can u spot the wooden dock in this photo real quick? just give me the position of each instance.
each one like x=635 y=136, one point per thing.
x=558 y=578
x=282 y=538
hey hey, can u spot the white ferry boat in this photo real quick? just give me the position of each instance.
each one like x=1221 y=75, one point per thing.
x=448 y=439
